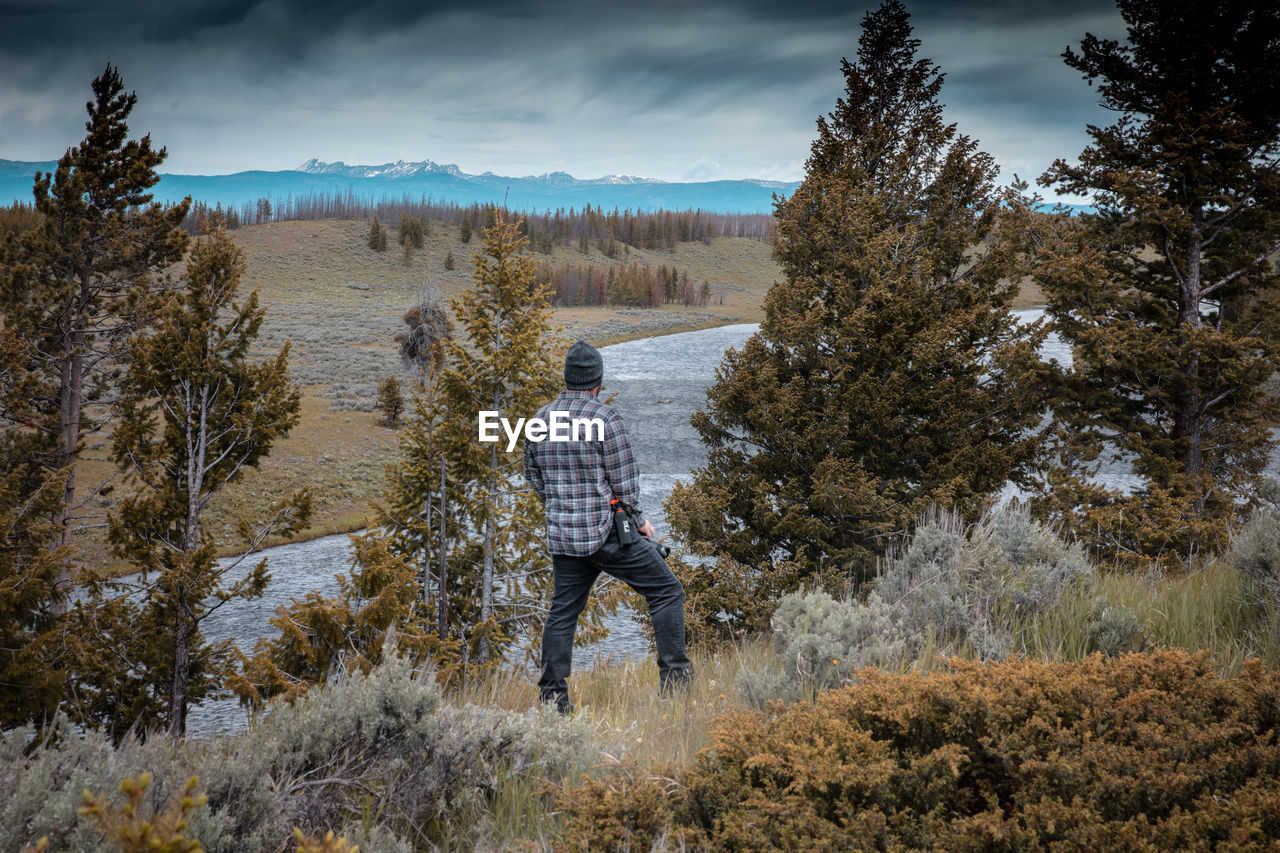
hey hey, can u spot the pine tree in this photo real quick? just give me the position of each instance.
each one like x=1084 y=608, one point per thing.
x=1160 y=293
x=465 y=228
x=379 y=601
x=390 y=401
x=460 y=508
x=75 y=284
x=411 y=231
x=377 y=236
x=33 y=666
x=449 y=262
x=196 y=414
x=888 y=375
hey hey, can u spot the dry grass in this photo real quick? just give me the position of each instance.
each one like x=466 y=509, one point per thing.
x=621 y=700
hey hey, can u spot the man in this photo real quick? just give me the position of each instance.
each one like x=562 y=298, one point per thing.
x=577 y=480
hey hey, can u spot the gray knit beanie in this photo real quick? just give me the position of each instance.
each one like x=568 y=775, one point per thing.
x=583 y=367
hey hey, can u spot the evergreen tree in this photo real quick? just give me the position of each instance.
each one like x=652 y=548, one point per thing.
x=1159 y=293
x=390 y=401
x=76 y=283
x=411 y=232
x=378 y=602
x=196 y=414
x=465 y=228
x=449 y=263
x=377 y=236
x=458 y=507
x=33 y=667
x=888 y=375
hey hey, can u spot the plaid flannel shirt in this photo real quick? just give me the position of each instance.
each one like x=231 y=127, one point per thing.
x=576 y=479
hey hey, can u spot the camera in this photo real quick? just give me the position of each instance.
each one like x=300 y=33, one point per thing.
x=663 y=550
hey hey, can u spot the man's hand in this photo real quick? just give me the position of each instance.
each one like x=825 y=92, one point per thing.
x=646 y=529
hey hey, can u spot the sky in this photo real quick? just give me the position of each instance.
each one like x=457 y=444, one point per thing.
x=670 y=90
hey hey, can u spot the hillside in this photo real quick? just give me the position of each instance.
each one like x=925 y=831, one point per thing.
x=340 y=304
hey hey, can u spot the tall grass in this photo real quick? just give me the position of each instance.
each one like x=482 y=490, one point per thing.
x=1207 y=609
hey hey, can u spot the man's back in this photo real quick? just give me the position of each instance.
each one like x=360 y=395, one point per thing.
x=577 y=477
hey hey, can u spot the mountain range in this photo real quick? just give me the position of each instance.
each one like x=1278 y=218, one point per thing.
x=443 y=183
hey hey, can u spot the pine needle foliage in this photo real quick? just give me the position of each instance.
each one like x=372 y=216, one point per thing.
x=196 y=415
x=76 y=283
x=390 y=401
x=377 y=236
x=488 y=575
x=32 y=668
x=379 y=606
x=1165 y=295
x=888 y=374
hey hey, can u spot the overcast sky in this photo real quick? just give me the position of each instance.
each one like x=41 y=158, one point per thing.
x=677 y=91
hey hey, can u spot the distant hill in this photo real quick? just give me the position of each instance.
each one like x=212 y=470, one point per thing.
x=446 y=183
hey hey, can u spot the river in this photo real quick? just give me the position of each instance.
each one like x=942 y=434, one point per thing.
x=658 y=382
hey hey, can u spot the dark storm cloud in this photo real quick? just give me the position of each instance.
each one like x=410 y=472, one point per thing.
x=717 y=89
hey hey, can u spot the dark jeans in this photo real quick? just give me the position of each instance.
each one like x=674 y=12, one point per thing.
x=643 y=569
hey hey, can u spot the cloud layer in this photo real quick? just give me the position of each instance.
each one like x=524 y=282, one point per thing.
x=668 y=90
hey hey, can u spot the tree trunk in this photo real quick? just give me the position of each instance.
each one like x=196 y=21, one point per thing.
x=70 y=403
x=181 y=669
x=442 y=615
x=1189 y=424
x=184 y=623
x=488 y=564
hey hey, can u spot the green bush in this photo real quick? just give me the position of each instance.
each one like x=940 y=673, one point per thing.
x=1143 y=751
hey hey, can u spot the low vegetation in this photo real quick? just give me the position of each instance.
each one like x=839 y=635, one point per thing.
x=1062 y=737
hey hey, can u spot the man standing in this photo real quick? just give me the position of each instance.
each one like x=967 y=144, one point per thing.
x=576 y=481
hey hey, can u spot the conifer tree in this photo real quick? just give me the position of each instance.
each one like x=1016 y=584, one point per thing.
x=390 y=401
x=196 y=415
x=33 y=667
x=380 y=600
x=1160 y=293
x=460 y=508
x=75 y=284
x=888 y=374
x=465 y=228
x=411 y=231
x=377 y=236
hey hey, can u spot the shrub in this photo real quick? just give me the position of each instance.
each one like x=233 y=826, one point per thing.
x=133 y=830
x=1139 y=751
x=379 y=745
x=1112 y=629
x=947 y=591
x=1255 y=553
x=628 y=809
